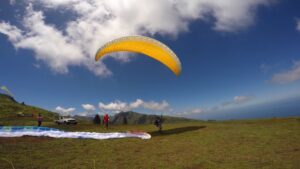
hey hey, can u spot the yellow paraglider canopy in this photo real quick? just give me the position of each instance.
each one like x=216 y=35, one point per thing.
x=143 y=45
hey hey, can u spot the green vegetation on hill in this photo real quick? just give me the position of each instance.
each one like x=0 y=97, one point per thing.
x=20 y=113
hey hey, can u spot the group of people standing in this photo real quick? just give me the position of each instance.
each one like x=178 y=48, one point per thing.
x=158 y=121
x=97 y=120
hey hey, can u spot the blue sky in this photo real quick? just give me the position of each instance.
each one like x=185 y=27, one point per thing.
x=233 y=56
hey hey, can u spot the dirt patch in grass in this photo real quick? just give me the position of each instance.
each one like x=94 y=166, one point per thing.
x=176 y=130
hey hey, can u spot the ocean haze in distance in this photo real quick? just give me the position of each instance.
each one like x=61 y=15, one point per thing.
x=285 y=107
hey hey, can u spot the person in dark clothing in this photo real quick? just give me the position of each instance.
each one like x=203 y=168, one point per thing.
x=97 y=119
x=40 y=119
x=158 y=123
x=125 y=120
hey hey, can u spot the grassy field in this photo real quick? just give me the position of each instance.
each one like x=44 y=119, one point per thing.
x=265 y=143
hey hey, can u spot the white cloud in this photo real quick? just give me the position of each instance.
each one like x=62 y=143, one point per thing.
x=235 y=102
x=191 y=112
x=114 y=106
x=289 y=76
x=156 y=106
x=88 y=107
x=242 y=99
x=64 y=111
x=12 y=32
x=164 y=106
x=229 y=15
x=94 y=22
x=118 y=106
x=138 y=103
x=12 y=2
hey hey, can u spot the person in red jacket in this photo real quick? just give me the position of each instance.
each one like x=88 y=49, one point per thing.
x=105 y=120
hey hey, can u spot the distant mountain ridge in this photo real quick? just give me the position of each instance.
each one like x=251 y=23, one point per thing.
x=131 y=117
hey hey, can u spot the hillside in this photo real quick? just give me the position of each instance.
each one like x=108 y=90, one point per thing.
x=137 y=118
x=11 y=110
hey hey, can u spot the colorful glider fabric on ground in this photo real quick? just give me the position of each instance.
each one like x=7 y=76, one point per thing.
x=143 y=45
x=19 y=131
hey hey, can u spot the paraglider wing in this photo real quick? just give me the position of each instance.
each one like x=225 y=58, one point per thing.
x=143 y=45
x=19 y=131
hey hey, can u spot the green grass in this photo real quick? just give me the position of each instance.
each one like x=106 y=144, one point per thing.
x=266 y=143
x=9 y=110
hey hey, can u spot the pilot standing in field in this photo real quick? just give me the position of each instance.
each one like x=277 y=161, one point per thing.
x=40 y=119
x=106 y=120
x=158 y=123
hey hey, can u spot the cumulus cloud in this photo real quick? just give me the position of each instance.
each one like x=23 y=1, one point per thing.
x=64 y=111
x=118 y=106
x=89 y=110
x=12 y=2
x=156 y=106
x=88 y=107
x=236 y=101
x=242 y=99
x=292 y=74
x=94 y=22
x=138 y=103
x=289 y=76
x=114 y=106
x=12 y=32
x=229 y=15
x=191 y=112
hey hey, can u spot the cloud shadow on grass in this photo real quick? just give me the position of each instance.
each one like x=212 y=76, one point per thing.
x=176 y=130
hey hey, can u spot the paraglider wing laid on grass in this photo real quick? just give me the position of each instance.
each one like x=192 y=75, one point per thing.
x=143 y=45
x=19 y=131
